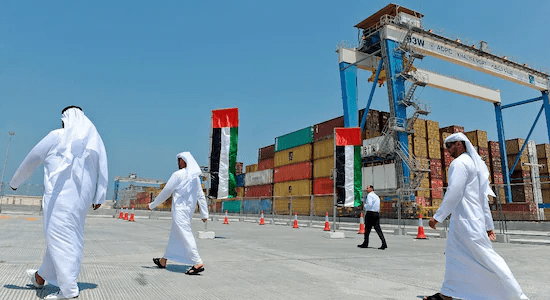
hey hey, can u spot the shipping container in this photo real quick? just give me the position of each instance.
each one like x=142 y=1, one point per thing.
x=240 y=191
x=436 y=186
x=323 y=167
x=323 y=204
x=265 y=164
x=294 y=139
x=372 y=122
x=323 y=148
x=520 y=165
x=432 y=130
x=436 y=171
x=292 y=188
x=369 y=134
x=266 y=152
x=384 y=116
x=325 y=129
x=419 y=128
x=545 y=164
x=543 y=150
x=514 y=145
x=257 y=206
x=323 y=186
x=251 y=168
x=240 y=180
x=258 y=178
x=265 y=190
x=444 y=135
x=293 y=155
x=420 y=146
x=298 y=171
x=452 y=129
x=434 y=149
x=231 y=206
x=478 y=138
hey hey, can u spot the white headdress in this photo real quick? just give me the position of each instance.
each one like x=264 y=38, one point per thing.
x=193 y=168
x=483 y=172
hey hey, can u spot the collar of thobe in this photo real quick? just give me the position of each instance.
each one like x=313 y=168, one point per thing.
x=77 y=133
x=480 y=165
x=192 y=167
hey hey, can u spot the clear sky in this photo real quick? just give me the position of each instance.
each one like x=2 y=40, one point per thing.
x=148 y=74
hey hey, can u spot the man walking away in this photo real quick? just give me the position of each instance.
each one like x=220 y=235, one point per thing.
x=75 y=177
x=372 y=218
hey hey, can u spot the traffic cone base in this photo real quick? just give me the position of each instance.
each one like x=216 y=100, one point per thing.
x=225 y=220
x=327 y=224
x=361 y=225
x=295 y=225
x=132 y=215
x=421 y=235
x=121 y=214
x=126 y=215
x=262 y=221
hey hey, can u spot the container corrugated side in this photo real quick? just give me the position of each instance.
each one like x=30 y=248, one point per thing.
x=323 y=148
x=266 y=152
x=266 y=164
x=258 y=178
x=325 y=129
x=293 y=172
x=323 y=167
x=291 y=188
x=293 y=155
x=265 y=190
x=323 y=186
x=294 y=139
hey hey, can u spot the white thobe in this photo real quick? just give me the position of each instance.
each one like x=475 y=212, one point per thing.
x=186 y=192
x=473 y=269
x=67 y=197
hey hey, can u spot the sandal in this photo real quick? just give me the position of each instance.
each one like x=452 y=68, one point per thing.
x=437 y=296
x=194 y=271
x=157 y=262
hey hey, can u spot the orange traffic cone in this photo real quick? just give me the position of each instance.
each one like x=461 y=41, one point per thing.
x=327 y=224
x=126 y=214
x=225 y=220
x=295 y=221
x=361 y=225
x=132 y=215
x=121 y=214
x=420 y=234
x=262 y=221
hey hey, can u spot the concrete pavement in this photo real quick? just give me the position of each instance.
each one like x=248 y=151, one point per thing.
x=247 y=261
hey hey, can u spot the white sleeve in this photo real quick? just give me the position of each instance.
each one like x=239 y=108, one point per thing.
x=35 y=158
x=102 y=176
x=458 y=175
x=489 y=225
x=171 y=185
x=201 y=200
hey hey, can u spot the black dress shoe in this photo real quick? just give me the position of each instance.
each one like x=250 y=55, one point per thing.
x=383 y=247
x=362 y=246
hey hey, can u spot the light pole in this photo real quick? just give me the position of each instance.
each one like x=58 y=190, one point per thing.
x=11 y=133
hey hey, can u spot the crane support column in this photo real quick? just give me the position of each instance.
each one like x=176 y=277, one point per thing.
x=503 y=156
x=396 y=89
x=348 y=81
x=546 y=106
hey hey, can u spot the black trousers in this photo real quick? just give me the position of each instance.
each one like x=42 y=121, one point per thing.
x=372 y=219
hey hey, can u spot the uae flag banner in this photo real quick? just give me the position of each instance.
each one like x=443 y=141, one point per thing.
x=223 y=153
x=347 y=161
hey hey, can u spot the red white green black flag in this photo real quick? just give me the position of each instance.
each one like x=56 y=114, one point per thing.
x=347 y=162
x=223 y=153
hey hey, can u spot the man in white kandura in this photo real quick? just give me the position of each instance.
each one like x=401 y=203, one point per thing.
x=473 y=269
x=75 y=178
x=186 y=188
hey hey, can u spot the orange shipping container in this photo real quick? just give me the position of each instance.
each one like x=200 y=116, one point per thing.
x=292 y=188
x=266 y=164
x=293 y=155
x=293 y=172
x=323 y=148
x=323 y=167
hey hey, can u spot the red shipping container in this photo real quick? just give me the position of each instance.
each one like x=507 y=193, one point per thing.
x=494 y=149
x=266 y=164
x=323 y=186
x=447 y=158
x=293 y=172
x=498 y=178
x=452 y=129
x=436 y=170
x=325 y=130
x=266 y=152
x=265 y=190
x=436 y=186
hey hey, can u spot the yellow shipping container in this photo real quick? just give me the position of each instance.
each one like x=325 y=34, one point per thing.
x=251 y=168
x=420 y=146
x=419 y=127
x=322 y=205
x=436 y=202
x=543 y=150
x=444 y=135
x=478 y=138
x=514 y=145
x=434 y=148
x=323 y=167
x=323 y=148
x=432 y=130
x=240 y=191
x=293 y=155
x=300 y=205
x=292 y=188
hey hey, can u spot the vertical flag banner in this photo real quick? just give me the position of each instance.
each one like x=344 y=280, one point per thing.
x=347 y=161
x=223 y=153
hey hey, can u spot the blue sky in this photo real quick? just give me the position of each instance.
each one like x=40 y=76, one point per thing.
x=149 y=74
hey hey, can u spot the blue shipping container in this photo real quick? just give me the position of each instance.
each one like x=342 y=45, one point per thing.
x=256 y=206
x=240 y=180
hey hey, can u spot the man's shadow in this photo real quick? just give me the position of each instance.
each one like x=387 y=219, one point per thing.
x=172 y=268
x=49 y=288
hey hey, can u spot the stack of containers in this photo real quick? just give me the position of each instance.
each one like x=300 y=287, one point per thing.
x=434 y=154
x=292 y=172
x=522 y=190
x=478 y=138
x=420 y=150
x=372 y=124
x=323 y=163
x=446 y=158
x=259 y=184
x=543 y=155
x=496 y=170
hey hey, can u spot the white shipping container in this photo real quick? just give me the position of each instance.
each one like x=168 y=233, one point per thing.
x=258 y=178
x=380 y=177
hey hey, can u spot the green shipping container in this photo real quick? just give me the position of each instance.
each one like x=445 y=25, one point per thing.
x=232 y=206
x=294 y=139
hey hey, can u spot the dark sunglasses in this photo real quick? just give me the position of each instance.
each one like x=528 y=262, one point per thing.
x=449 y=144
